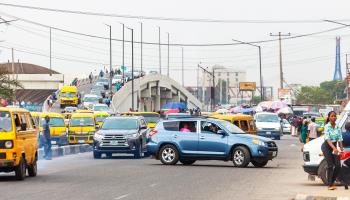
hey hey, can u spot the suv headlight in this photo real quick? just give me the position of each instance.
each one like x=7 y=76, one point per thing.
x=98 y=136
x=259 y=142
x=278 y=128
x=8 y=144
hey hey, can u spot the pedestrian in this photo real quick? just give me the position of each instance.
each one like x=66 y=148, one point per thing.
x=118 y=86
x=101 y=73
x=333 y=136
x=312 y=129
x=47 y=139
x=303 y=131
x=346 y=135
x=108 y=102
x=90 y=77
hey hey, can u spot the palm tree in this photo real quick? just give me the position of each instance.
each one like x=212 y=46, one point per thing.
x=8 y=85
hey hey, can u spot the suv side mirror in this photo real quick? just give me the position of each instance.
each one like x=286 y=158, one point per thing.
x=97 y=126
x=23 y=127
x=222 y=132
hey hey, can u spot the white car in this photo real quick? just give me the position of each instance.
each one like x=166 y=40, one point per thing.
x=286 y=126
x=314 y=161
x=102 y=108
x=117 y=78
x=89 y=100
x=268 y=125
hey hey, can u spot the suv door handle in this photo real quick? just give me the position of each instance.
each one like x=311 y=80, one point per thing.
x=202 y=137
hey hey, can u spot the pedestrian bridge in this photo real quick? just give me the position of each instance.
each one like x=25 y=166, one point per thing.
x=151 y=92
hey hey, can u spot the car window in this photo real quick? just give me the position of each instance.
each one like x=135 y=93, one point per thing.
x=171 y=126
x=5 y=121
x=244 y=125
x=236 y=123
x=209 y=127
x=188 y=126
x=17 y=122
x=143 y=123
x=29 y=124
x=23 y=119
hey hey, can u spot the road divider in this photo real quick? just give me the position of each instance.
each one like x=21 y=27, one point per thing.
x=67 y=150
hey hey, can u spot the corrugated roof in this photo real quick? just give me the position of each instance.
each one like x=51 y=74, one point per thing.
x=26 y=68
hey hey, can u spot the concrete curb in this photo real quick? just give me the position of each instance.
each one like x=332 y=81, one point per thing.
x=66 y=150
x=308 y=197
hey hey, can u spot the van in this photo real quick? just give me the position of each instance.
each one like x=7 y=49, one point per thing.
x=18 y=142
x=100 y=117
x=244 y=122
x=82 y=128
x=268 y=125
x=69 y=96
x=58 y=130
x=151 y=118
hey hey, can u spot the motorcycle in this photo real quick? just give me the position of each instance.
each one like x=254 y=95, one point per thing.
x=344 y=175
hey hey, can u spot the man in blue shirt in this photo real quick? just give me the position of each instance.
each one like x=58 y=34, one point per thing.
x=346 y=135
x=47 y=139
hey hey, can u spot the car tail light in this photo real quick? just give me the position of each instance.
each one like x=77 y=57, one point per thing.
x=153 y=132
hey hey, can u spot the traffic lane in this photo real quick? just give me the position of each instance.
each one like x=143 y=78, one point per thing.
x=81 y=177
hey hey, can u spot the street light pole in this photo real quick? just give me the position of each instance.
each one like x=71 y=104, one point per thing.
x=260 y=71
x=160 y=54
x=110 y=58
x=141 y=46
x=212 y=91
x=132 y=67
x=168 y=56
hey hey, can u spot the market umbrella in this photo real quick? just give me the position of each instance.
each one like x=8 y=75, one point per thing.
x=285 y=110
x=175 y=105
x=276 y=105
x=236 y=109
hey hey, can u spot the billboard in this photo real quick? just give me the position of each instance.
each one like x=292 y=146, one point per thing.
x=286 y=94
x=247 y=86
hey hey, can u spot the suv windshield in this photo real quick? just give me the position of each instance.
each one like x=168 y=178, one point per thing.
x=100 y=108
x=230 y=127
x=100 y=118
x=5 y=122
x=54 y=122
x=68 y=94
x=267 y=118
x=120 y=124
x=82 y=121
x=91 y=99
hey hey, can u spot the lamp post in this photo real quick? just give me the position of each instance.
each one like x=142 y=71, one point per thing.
x=110 y=59
x=132 y=67
x=261 y=84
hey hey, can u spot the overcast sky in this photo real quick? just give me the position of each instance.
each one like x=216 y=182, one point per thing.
x=307 y=60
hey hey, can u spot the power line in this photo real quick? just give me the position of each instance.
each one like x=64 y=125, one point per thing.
x=174 y=44
x=139 y=17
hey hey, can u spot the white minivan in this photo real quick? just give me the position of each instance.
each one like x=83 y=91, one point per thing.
x=268 y=125
x=314 y=161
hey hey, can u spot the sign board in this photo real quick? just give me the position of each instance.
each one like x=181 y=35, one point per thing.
x=123 y=68
x=285 y=94
x=247 y=86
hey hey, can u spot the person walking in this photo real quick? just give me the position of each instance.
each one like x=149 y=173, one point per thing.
x=312 y=129
x=333 y=136
x=303 y=131
x=90 y=77
x=118 y=86
x=47 y=139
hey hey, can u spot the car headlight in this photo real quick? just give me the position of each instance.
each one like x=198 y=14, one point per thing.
x=135 y=135
x=259 y=142
x=98 y=136
x=8 y=144
x=277 y=128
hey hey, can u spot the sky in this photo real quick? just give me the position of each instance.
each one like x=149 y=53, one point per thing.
x=306 y=60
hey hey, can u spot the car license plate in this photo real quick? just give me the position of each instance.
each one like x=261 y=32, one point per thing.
x=53 y=142
x=81 y=141
x=114 y=142
x=274 y=153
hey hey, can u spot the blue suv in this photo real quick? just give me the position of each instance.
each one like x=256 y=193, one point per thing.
x=190 y=139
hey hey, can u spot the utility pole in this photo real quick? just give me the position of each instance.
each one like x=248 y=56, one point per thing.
x=50 y=54
x=132 y=68
x=160 y=55
x=182 y=68
x=168 y=56
x=110 y=59
x=280 y=51
x=213 y=90
x=123 y=62
x=141 y=46
x=347 y=76
x=13 y=64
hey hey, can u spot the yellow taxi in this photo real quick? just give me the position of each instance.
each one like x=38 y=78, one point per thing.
x=151 y=118
x=18 y=142
x=100 y=117
x=82 y=128
x=57 y=125
x=244 y=122
x=84 y=111
x=68 y=96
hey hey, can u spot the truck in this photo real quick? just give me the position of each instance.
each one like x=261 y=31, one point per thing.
x=69 y=96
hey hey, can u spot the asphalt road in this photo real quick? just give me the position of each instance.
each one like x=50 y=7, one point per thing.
x=81 y=177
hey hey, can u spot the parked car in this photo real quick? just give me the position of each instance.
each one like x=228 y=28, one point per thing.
x=268 y=125
x=104 y=82
x=121 y=135
x=191 y=139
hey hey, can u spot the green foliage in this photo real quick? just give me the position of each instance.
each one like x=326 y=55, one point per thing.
x=256 y=100
x=7 y=85
x=326 y=93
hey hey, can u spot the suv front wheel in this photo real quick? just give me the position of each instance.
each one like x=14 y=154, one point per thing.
x=169 y=155
x=240 y=156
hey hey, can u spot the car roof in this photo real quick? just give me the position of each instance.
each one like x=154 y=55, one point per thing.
x=266 y=113
x=57 y=115
x=126 y=117
x=100 y=104
x=13 y=109
x=90 y=95
x=77 y=115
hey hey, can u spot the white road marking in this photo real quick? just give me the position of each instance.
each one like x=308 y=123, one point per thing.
x=153 y=185
x=121 y=197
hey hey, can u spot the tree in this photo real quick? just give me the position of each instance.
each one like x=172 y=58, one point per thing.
x=335 y=88
x=8 y=85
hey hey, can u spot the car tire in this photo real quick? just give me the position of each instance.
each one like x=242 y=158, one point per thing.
x=33 y=168
x=187 y=162
x=260 y=163
x=97 y=155
x=240 y=156
x=20 y=170
x=322 y=172
x=277 y=138
x=169 y=155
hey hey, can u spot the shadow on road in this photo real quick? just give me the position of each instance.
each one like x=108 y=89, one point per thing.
x=214 y=166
